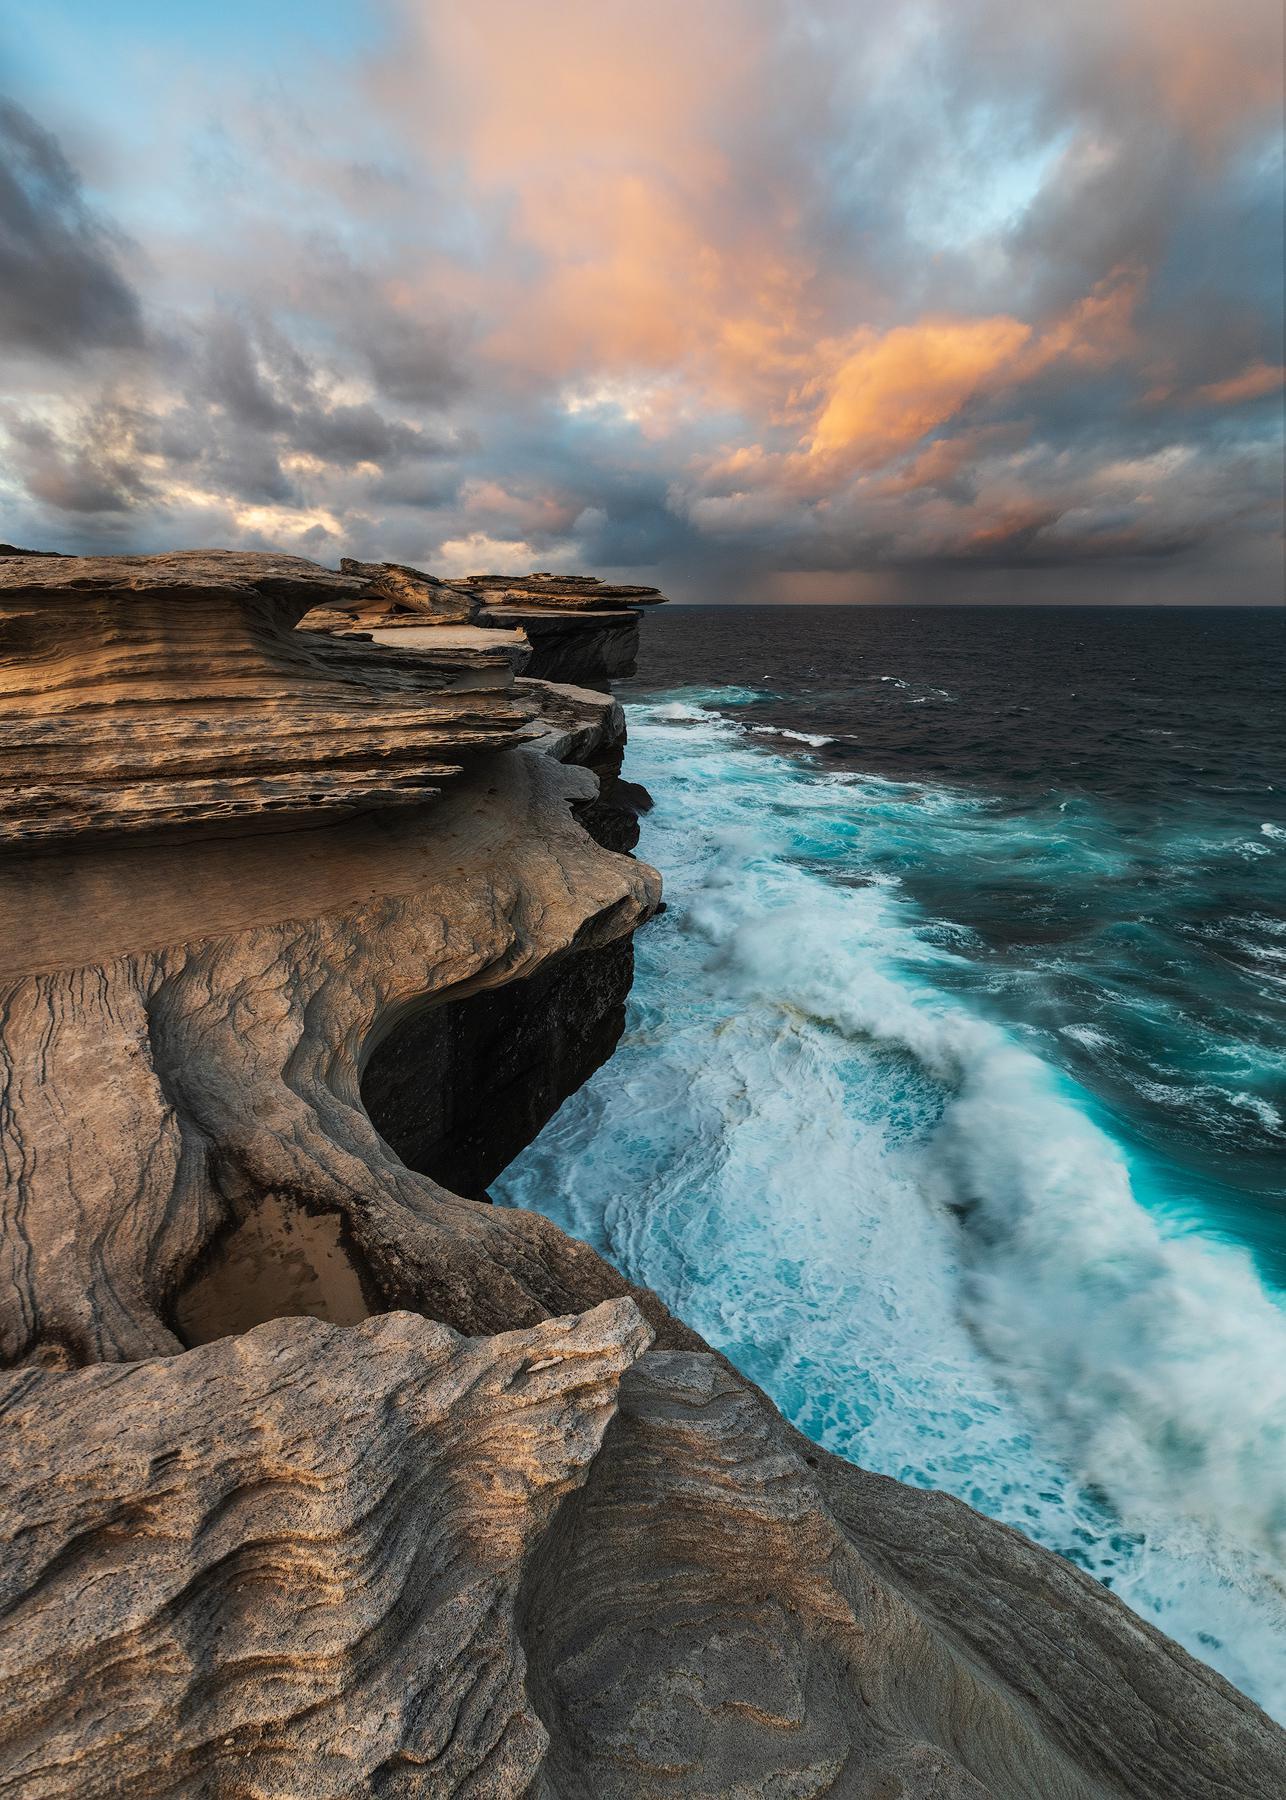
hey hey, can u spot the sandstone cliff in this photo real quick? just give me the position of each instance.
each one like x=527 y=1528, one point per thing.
x=320 y=1477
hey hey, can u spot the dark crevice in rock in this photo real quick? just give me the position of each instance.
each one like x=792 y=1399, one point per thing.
x=612 y=817
x=458 y=1089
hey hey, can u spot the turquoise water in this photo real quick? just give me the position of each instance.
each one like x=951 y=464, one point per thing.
x=903 y=1167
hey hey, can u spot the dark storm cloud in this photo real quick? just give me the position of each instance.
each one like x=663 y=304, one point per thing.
x=264 y=386
x=417 y=357
x=93 y=469
x=62 y=290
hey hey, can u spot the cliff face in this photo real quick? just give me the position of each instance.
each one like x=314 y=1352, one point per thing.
x=321 y=1478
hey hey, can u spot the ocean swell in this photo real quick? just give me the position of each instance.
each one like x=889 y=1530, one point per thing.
x=905 y=1223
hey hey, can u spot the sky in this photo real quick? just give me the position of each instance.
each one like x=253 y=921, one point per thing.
x=811 y=300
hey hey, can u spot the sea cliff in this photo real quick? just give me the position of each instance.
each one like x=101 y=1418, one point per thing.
x=322 y=1476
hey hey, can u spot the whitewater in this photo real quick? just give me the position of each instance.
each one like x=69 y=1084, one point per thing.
x=910 y=1227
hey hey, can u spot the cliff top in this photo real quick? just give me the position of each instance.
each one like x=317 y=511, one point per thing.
x=255 y=571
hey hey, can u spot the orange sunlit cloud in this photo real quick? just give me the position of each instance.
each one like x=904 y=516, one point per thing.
x=1258 y=379
x=891 y=391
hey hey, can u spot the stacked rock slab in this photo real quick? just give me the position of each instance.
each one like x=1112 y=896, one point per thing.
x=569 y=628
x=317 y=1479
x=580 y=629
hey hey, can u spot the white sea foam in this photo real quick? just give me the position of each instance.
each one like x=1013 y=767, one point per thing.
x=906 y=1225
x=798 y=737
x=920 y=699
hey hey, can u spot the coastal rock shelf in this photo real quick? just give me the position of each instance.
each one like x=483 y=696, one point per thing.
x=155 y=691
x=559 y=627
x=319 y=1478
x=560 y=593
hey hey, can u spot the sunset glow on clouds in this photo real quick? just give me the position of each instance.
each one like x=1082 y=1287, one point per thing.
x=932 y=298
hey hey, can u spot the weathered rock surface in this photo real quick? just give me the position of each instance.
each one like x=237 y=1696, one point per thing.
x=144 y=693
x=327 y=1562
x=561 y=627
x=721 y=1609
x=585 y=647
x=402 y=590
x=467 y=647
x=185 y=1028
x=581 y=630
x=267 y=1526
x=564 y=593
x=288 y=1563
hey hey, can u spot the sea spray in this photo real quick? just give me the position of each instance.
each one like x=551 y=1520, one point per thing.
x=903 y=1222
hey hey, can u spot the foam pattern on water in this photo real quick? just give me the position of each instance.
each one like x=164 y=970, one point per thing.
x=903 y=1223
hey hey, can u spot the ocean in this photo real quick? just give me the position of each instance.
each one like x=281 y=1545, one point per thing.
x=952 y=1100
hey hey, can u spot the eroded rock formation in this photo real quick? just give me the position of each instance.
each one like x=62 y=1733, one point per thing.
x=145 y=693
x=395 y=590
x=580 y=629
x=569 y=628
x=270 y=1525
x=288 y=1563
x=561 y=593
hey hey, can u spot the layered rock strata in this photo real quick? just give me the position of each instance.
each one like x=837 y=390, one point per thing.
x=571 y=628
x=146 y=693
x=584 y=647
x=560 y=593
x=288 y=1563
x=394 y=590
x=580 y=629
x=318 y=1478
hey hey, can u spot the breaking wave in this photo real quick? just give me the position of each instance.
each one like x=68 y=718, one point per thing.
x=905 y=1223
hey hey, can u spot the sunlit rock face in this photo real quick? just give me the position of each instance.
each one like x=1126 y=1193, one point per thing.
x=561 y=593
x=404 y=590
x=288 y=1562
x=201 y=1093
x=316 y=1474
x=153 y=692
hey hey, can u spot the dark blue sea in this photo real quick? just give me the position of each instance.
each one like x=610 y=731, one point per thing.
x=952 y=1104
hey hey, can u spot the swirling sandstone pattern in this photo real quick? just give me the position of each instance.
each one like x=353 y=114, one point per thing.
x=270 y=1527
x=287 y=1563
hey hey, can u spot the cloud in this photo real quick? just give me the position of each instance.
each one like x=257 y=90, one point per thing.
x=891 y=391
x=726 y=292
x=91 y=465
x=1253 y=382
x=62 y=290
